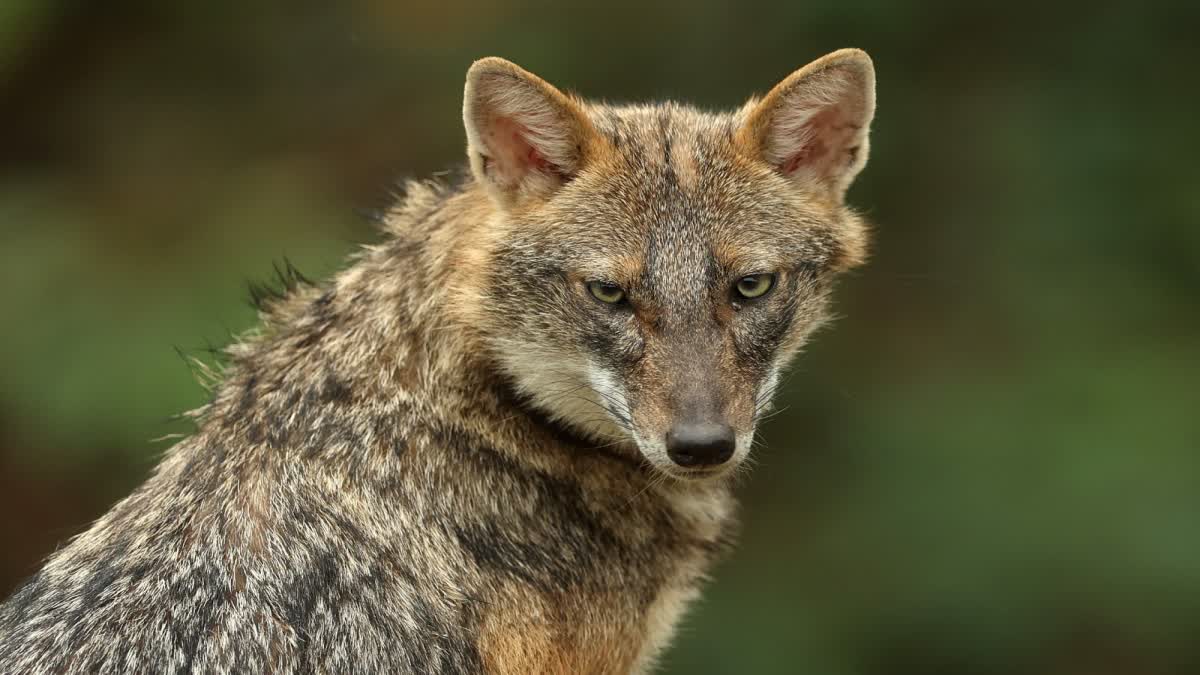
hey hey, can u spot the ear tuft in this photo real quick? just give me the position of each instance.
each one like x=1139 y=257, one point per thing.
x=523 y=135
x=813 y=126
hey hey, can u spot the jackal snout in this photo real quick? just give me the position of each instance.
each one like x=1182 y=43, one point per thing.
x=701 y=434
x=691 y=400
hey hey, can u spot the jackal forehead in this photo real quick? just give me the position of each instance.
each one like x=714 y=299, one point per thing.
x=675 y=196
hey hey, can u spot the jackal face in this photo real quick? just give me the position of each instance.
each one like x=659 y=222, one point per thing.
x=649 y=270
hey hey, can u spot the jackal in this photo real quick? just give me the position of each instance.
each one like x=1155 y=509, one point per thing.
x=501 y=440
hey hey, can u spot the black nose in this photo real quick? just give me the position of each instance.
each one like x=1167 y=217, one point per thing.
x=700 y=444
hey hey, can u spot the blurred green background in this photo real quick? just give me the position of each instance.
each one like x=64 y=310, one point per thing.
x=990 y=464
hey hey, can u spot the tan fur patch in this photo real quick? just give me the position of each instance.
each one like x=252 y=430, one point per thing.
x=540 y=636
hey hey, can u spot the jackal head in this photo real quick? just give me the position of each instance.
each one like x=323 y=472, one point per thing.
x=650 y=269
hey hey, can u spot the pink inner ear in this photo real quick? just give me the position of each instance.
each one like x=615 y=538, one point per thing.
x=814 y=149
x=535 y=159
x=826 y=145
x=508 y=140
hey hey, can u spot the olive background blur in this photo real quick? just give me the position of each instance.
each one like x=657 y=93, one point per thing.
x=989 y=464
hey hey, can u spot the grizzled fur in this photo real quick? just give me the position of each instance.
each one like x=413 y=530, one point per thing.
x=449 y=457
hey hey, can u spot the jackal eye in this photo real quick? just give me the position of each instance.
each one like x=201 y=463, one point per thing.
x=755 y=285
x=606 y=292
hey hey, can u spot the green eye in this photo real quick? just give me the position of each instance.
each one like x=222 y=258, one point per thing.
x=755 y=285
x=606 y=292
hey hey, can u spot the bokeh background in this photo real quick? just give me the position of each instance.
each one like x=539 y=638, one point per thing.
x=991 y=464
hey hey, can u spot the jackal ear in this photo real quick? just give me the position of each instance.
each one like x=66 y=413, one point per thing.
x=813 y=126
x=523 y=135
